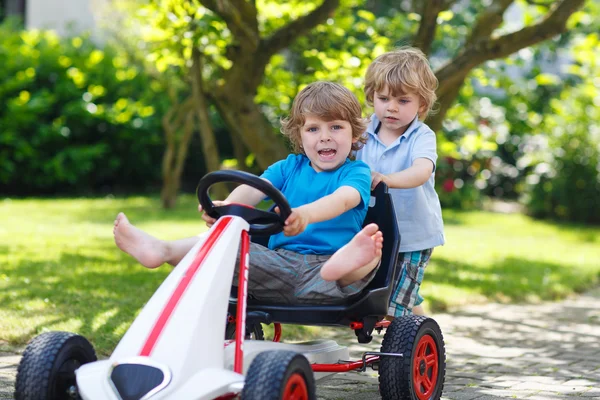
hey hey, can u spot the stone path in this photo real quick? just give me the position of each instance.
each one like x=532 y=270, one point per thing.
x=537 y=352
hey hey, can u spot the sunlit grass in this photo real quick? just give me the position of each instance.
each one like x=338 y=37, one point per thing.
x=509 y=258
x=60 y=269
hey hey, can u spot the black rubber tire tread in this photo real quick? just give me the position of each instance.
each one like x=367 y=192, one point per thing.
x=41 y=360
x=254 y=332
x=402 y=336
x=270 y=371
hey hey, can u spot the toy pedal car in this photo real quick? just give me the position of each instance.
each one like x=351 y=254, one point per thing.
x=174 y=349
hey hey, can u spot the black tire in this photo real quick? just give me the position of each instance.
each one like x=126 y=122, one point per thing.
x=420 y=374
x=47 y=369
x=253 y=331
x=279 y=375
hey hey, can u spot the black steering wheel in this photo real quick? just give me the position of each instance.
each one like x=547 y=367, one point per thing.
x=261 y=222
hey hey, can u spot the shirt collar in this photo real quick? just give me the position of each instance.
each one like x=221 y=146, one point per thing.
x=413 y=127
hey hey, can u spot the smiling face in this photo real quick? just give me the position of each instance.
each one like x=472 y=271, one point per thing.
x=327 y=144
x=396 y=112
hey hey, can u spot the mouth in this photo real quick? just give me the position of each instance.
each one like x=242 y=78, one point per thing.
x=391 y=118
x=327 y=153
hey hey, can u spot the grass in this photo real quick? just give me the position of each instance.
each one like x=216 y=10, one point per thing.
x=60 y=269
x=509 y=258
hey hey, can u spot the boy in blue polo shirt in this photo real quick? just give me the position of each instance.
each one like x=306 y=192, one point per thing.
x=322 y=255
x=401 y=151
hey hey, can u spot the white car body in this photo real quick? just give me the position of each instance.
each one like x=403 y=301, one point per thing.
x=181 y=330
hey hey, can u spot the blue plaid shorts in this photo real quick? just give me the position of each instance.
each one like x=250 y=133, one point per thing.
x=406 y=293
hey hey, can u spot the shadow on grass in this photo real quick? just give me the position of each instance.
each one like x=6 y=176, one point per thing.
x=80 y=288
x=511 y=280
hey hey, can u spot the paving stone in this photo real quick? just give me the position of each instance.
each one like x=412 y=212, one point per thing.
x=546 y=351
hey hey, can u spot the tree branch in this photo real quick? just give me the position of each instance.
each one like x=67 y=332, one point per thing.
x=553 y=24
x=488 y=20
x=428 y=26
x=540 y=3
x=286 y=35
x=240 y=17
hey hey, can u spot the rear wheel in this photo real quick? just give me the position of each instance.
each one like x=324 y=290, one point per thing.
x=47 y=369
x=279 y=375
x=420 y=373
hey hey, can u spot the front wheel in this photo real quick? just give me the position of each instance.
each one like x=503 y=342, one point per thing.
x=419 y=374
x=47 y=369
x=279 y=375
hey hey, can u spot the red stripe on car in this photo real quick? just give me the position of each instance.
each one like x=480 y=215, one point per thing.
x=184 y=283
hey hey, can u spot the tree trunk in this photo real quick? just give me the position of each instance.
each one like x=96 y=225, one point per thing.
x=249 y=54
x=244 y=117
x=212 y=158
x=178 y=135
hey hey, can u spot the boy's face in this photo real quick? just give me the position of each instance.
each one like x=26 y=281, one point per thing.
x=396 y=112
x=327 y=144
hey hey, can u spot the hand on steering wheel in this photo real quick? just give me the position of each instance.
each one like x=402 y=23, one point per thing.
x=261 y=222
x=207 y=218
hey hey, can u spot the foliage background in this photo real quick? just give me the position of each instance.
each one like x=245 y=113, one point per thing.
x=83 y=117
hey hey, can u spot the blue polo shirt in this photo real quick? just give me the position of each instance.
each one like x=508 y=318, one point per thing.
x=418 y=210
x=301 y=185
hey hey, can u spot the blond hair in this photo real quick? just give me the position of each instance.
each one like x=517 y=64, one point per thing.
x=403 y=70
x=329 y=101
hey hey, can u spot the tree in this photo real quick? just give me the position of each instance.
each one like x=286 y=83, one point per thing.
x=224 y=48
x=482 y=45
x=250 y=52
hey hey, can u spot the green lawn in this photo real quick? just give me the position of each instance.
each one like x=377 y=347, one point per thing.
x=60 y=270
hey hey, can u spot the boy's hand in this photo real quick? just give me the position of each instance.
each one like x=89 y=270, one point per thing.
x=296 y=223
x=376 y=177
x=208 y=219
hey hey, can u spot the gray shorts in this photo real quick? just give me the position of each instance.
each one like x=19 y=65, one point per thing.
x=286 y=277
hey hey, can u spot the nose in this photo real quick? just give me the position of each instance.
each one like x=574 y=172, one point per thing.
x=325 y=136
x=392 y=106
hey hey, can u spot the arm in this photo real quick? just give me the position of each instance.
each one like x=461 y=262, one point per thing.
x=343 y=199
x=418 y=173
x=245 y=194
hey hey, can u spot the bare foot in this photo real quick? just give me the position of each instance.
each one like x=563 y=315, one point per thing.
x=356 y=259
x=148 y=250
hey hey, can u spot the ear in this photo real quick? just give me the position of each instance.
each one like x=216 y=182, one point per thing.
x=422 y=106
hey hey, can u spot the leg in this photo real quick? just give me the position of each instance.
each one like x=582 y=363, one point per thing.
x=405 y=298
x=356 y=259
x=148 y=250
x=271 y=274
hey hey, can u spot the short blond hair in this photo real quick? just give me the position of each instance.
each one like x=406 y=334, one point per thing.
x=329 y=101
x=403 y=70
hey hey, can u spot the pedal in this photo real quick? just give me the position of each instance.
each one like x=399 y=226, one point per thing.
x=375 y=363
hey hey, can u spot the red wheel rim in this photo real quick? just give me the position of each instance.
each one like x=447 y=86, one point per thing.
x=295 y=388
x=425 y=368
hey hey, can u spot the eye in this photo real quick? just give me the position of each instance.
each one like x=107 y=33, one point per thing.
x=311 y=129
x=382 y=98
x=337 y=127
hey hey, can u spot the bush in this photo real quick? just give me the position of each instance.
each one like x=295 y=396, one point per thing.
x=456 y=183
x=567 y=187
x=565 y=184
x=75 y=116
